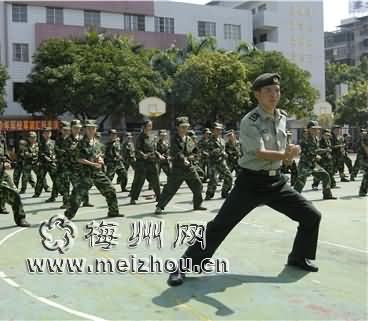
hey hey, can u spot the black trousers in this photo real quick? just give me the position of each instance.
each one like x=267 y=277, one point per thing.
x=250 y=191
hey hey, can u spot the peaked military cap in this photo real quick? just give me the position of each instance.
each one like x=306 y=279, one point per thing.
x=266 y=79
x=90 y=123
x=182 y=121
x=76 y=123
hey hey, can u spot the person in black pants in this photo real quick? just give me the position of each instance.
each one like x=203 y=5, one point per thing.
x=263 y=139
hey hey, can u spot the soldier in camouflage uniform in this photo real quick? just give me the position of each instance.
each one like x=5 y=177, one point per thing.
x=338 y=150
x=308 y=163
x=217 y=163
x=62 y=170
x=146 y=164
x=47 y=164
x=19 y=164
x=363 y=151
x=356 y=166
x=290 y=167
x=348 y=162
x=128 y=151
x=114 y=160
x=5 y=176
x=203 y=153
x=88 y=154
x=164 y=149
x=74 y=167
x=183 y=155
x=326 y=160
x=30 y=156
x=232 y=148
x=10 y=195
x=197 y=156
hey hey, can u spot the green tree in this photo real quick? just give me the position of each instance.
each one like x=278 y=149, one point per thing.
x=352 y=108
x=297 y=95
x=90 y=77
x=3 y=78
x=212 y=86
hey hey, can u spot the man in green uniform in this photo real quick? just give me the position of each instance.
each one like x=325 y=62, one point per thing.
x=5 y=176
x=114 y=160
x=182 y=151
x=62 y=171
x=128 y=151
x=363 y=151
x=10 y=195
x=47 y=164
x=203 y=153
x=164 y=149
x=356 y=166
x=146 y=164
x=88 y=154
x=232 y=148
x=308 y=163
x=338 y=150
x=326 y=160
x=30 y=156
x=217 y=163
x=19 y=164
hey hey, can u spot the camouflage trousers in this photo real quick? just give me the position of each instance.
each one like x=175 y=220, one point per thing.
x=43 y=169
x=329 y=167
x=84 y=183
x=11 y=196
x=145 y=170
x=120 y=171
x=317 y=172
x=233 y=166
x=175 y=180
x=129 y=163
x=356 y=166
x=17 y=174
x=339 y=165
x=74 y=180
x=348 y=162
x=27 y=175
x=6 y=179
x=221 y=169
x=62 y=182
x=165 y=167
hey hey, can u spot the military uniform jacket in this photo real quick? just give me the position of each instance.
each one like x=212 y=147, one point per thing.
x=47 y=152
x=61 y=150
x=113 y=154
x=216 y=150
x=326 y=144
x=310 y=148
x=164 y=150
x=91 y=151
x=145 y=145
x=181 y=150
x=72 y=151
x=128 y=150
x=338 y=146
x=30 y=154
x=203 y=147
x=233 y=150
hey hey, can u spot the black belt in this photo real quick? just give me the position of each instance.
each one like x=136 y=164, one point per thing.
x=273 y=172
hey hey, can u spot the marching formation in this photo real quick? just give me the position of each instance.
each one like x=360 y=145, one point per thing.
x=76 y=160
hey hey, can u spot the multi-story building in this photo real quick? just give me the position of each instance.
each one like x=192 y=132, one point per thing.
x=294 y=28
x=348 y=44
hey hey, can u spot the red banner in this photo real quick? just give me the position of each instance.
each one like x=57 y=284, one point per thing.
x=28 y=124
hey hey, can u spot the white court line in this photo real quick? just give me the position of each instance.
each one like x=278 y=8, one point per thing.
x=12 y=283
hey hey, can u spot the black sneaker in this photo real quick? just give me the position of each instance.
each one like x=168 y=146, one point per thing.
x=303 y=264
x=200 y=208
x=176 y=278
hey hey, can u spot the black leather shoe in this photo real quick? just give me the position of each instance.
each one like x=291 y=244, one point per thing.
x=115 y=215
x=200 y=208
x=50 y=200
x=88 y=205
x=303 y=264
x=176 y=279
x=133 y=202
x=23 y=223
x=208 y=197
x=344 y=180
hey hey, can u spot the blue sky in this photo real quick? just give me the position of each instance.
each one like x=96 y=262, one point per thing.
x=334 y=11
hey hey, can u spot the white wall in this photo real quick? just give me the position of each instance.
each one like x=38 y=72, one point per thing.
x=187 y=16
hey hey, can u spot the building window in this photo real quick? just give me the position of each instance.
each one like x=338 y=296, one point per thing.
x=134 y=23
x=262 y=7
x=19 y=13
x=21 y=52
x=17 y=90
x=92 y=18
x=54 y=16
x=232 y=32
x=164 y=24
x=206 y=29
x=263 y=37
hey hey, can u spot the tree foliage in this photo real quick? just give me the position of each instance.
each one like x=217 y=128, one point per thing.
x=3 y=78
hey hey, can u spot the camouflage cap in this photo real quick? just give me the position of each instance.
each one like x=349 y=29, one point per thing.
x=98 y=134
x=76 y=123
x=46 y=129
x=313 y=124
x=206 y=131
x=217 y=126
x=266 y=79
x=128 y=134
x=182 y=122
x=90 y=123
x=64 y=124
x=229 y=132
x=112 y=131
x=192 y=133
x=162 y=132
x=32 y=134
